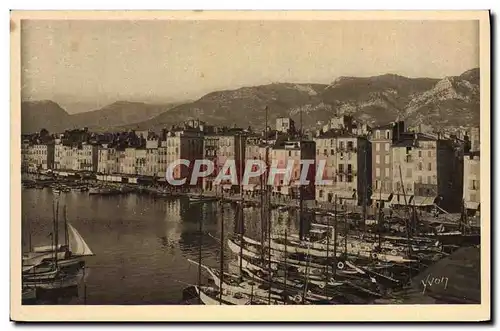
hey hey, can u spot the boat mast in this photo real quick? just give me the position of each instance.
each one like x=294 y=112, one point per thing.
x=407 y=222
x=301 y=190
x=365 y=192
x=221 y=279
x=327 y=252
x=335 y=238
x=380 y=218
x=241 y=216
x=345 y=234
x=286 y=266
x=66 y=233
x=268 y=213
x=200 y=242
x=56 y=231
x=308 y=258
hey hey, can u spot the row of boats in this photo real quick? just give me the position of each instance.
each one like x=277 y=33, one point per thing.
x=294 y=271
x=326 y=264
x=56 y=266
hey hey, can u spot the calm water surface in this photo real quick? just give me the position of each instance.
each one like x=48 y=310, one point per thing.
x=141 y=244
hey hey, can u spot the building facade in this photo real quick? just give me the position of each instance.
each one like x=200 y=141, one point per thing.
x=347 y=160
x=424 y=172
x=472 y=179
x=382 y=139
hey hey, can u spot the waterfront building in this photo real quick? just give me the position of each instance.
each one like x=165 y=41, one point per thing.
x=162 y=160
x=295 y=151
x=472 y=172
x=230 y=146
x=347 y=160
x=425 y=169
x=25 y=149
x=210 y=147
x=152 y=157
x=186 y=144
x=108 y=160
x=40 y=157
x=87 y=155
x=472 y=179
x=382 y=138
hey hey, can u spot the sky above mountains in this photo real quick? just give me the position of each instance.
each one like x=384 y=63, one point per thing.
x=99 y=62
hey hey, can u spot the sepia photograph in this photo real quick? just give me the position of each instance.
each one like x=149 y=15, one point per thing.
x=169 y=161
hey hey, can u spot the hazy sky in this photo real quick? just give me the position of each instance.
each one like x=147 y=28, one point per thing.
x=104 y=61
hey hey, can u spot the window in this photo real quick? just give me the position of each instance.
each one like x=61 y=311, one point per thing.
x=350 y=146
x=341 y=168
x=420 y=166
x=387 y=147
x=387 y=134
x=341 y=145
x=377 y=172
x=387 y=159
x=419 y=179
x=320 y=193
x=349 y=168
x=290 y=153
x=429 y=166
x=325 y=151
x=377 y=159
x=376 y=185
x=419 y=153
x=429 y=153
x=377 y=134
x=377 y=147
x=332 y=152
x=387 y=173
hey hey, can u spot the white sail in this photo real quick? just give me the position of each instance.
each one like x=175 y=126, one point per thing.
x=77 y=245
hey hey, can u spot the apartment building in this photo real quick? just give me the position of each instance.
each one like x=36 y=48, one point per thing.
x=210 y=147
x=424 y=172
x=184 y=144
x=347 y=160
x=40 y=157
x=230 y=146
x=280 y=154
x=152 y=157
x=108 y=160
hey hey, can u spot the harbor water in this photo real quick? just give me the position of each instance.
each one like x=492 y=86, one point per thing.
x=141 y=243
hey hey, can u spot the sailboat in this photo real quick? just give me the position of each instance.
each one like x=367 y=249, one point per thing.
x=49 y=266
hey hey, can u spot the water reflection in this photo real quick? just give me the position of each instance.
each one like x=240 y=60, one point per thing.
x=142 y=243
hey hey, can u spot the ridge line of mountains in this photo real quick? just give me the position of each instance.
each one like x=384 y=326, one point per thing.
x=451 y=101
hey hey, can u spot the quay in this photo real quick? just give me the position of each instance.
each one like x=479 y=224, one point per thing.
x=250 y=200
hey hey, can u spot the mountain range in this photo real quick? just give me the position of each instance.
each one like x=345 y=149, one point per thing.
x=375 y=100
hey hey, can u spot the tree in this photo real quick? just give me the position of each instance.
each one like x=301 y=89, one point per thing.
x=44 y=132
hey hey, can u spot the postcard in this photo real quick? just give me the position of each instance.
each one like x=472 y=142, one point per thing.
x=307 y=165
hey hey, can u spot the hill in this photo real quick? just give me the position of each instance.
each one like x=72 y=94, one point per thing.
x=453 y=101
x=243 y=107
x=118 y=114
x=375 y=100
x=36 y=115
